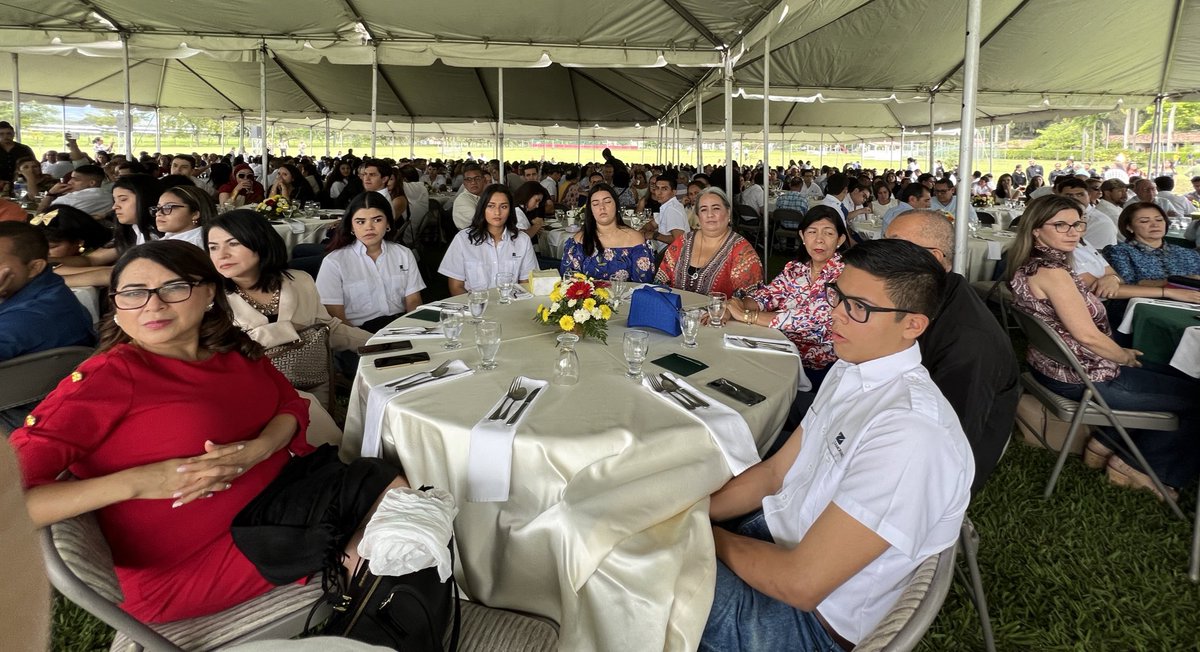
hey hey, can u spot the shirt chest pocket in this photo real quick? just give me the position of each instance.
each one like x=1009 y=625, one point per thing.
x=359 y=295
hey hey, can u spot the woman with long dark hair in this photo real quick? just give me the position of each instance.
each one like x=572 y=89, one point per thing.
x=290 y=183
x=492 y=244
x=605 y=247
x=368 y=280
x=133 y=197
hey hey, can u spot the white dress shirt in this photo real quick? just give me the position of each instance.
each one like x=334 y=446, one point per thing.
x=93 y=201
x=882 y=443
x=672 y=216
x=464 y=209
x=1107 y=209
x=194 y=236
x=367 y=288
x=1101 y=231
x=755 y=197
x=476 y=265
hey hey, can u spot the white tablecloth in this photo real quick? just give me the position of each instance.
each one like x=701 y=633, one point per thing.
x=606 y=529
x=1187 y=354
x=1004 y=216
x=984 y=250
x=313 y=231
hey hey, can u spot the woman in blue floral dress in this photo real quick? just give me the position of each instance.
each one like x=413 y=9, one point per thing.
x=605 y=248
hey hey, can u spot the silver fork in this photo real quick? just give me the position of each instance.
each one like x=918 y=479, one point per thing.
x=657 y=386
x=508 y=396
x=754 y=345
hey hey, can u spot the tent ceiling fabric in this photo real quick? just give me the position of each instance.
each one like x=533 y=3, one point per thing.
x=857 y=67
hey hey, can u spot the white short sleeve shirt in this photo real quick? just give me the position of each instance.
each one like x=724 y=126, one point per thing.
x=194 y=236
x=476 y=265
x=884 y=445
x=367 y=288
x=464 y=209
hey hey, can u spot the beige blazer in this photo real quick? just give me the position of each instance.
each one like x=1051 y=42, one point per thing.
x=299 y=306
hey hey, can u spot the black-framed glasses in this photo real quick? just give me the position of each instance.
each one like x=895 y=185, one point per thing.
x=175 y=292
x=471 y=179
x=1063 y=227
x=857 y=309
x=165 y=209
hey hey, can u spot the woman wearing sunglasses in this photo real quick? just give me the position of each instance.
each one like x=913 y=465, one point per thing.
x=1045 y=285
x=242 y=189
x=181 y=211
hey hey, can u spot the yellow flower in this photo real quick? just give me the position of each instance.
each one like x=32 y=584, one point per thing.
x=588 y=304
x=602 y=293
x=581 y=276
x=605 y=312
x=566 y=323
x=556 y=295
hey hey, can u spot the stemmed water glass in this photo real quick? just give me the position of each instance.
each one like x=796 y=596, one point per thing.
x=477 y=301
x=487 y=342
x=689 y=323
x=716 y=309
x=504 y=281
x=451 y=319
x=616 y=293
x=637 y=346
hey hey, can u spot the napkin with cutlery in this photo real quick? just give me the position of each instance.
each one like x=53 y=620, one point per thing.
x=384 y=393
x=1127 y=323
x=727 y=428
x=760 y=344
x=489 y=458
x=406 y=333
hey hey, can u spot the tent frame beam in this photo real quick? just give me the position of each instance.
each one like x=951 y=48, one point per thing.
x=209 y=84
x=648 y=114
x=483 y=89
x=983 y=42
x=695 y=23
x=295 y=80
x=1172 y=41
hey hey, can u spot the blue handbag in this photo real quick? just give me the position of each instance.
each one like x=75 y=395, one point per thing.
x=657 y=307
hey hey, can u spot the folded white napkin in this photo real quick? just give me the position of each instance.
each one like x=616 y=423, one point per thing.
x=410 y=531
x=380 y=395
x=489 y=458
x=519 y=292
x=995 y=251
x=784 y=346
x=1127 y=323
x=727 y=428
x=1187 y=354
x=394 y=333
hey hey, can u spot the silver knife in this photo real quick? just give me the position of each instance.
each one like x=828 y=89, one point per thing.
x=520 y=410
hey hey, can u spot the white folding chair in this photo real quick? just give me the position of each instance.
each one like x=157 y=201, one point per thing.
x=908 y=620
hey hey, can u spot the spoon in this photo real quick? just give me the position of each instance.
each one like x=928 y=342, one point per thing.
x=515 y=393
x=672 y=386
x=405 y=383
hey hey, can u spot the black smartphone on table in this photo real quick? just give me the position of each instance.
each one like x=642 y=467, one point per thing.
x=400 y=360
x=385 y=347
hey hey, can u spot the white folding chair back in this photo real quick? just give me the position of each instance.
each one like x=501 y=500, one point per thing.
x=908 y=620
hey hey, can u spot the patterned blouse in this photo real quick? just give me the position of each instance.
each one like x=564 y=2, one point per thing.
x=634 y=263
x=735 y=266
x=1134 y=261
x=1098 y=369
x=802 y=310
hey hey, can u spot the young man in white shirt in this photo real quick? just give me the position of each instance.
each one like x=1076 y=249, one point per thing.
x=874 y=481
x=672 y=216
x=468 y=197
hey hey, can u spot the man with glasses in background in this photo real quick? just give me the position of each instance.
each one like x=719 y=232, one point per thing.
x=875 y=480
x=943 y=200
x=468 y=198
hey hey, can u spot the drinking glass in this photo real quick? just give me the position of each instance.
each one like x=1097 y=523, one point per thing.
x=477 y=301
x=566 y=369
x=716 y=309
x=487 y=342
x=504 y=281
x=689 y=322
x=452 y=325
x=637 y=345
x=616 y=294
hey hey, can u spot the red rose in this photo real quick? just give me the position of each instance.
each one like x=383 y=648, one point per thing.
x=579 y=290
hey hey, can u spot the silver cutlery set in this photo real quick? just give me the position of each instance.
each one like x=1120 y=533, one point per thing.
x=664 y=385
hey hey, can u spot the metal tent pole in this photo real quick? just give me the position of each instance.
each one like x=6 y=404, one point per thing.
x=262 y=109
x=157 y=130
x=931 y=127
x=412 y=137
x=128 y=113
x=16 y=95
x=500 y=126
x=64 y=115
x=699 y=132
x=326 y=134
x=821 y=151
x=727 y=64
x=766 y=175
x=992 y=152
x=221 y=137
x=966 y=140
x=241 y=132
x=374 y=95
x=578 y=146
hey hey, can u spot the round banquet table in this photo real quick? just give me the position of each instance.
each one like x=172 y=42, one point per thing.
x=300 y=230
x=606 y=528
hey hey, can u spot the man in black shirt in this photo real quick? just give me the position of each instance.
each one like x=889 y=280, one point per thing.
x=968 y=355
x=1034 y=170
x=10 y=152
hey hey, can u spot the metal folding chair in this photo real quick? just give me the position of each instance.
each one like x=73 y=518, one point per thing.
x=1091 y=409
x=908 y=620
x=31 y=377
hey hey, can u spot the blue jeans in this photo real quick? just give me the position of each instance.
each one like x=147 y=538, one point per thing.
x=1174 y=455
x=744 y=619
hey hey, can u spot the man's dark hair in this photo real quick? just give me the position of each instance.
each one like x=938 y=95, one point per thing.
x=913 y=191
x=28 y=242
x=185 y=157
x=835 y=183
x=471 y=167
x=795 y=183
x=914 y=279
x=945 y=181
x=1069 y=181
x=668 y=179
x=925 y=176
x=1164 y=183
x=410 y=175
x=175 y=180
x=379 y=164
x=93 y=172
x=257 y=235
x=5 y=124
x=1195 y=179
x=529 y=166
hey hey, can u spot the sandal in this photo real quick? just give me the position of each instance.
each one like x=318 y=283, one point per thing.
x=1120 y=473
x=1096 y=455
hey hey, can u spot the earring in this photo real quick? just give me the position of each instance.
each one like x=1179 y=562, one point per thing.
x=210 y=306
x=115 y=320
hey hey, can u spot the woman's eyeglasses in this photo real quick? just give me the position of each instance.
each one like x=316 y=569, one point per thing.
x=176 y=292
x=164 y=209
x=1063 y=227
x=858 y=310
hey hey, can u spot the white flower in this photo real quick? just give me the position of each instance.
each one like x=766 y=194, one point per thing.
x=581 y=316
x=571 y=303
x=596 y=313
x=555 y=306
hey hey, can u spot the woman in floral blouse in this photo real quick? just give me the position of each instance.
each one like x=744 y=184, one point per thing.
x=1045 y=286
x=1145 y=256
x=605 y=247
x=712 y=258
x=794 y=302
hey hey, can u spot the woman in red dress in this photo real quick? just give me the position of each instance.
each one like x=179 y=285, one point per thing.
x=175 y=426
x=712 y=258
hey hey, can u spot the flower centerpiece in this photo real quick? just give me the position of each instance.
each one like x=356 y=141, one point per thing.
x=579 y=305
x=274 y=206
